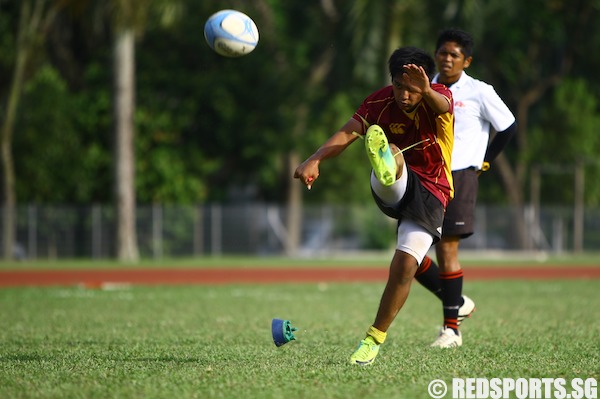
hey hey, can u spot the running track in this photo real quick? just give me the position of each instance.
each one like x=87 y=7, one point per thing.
x=100 y=277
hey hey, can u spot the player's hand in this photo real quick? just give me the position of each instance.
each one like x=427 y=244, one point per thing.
x=307 y=172
x=484 y=168
x=416 y=78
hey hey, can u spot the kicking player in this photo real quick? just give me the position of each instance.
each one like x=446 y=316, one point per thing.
x=408 y=129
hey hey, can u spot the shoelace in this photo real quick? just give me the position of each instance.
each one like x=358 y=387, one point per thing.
x=365 y=347
x=402 y=150
x=444 y=337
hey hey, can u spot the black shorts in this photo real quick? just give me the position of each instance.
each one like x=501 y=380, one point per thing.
x=418 y=205
x=460 y=213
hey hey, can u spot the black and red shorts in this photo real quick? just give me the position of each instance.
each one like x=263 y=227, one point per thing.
x=460 y=213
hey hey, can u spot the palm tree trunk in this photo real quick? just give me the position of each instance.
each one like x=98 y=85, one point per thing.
x=124 y=106
x=8 y=169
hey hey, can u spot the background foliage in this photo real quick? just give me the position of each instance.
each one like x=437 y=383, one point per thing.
x=216 y=129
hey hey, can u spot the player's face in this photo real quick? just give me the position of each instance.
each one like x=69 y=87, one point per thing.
x=450 y=62
x=406 y=99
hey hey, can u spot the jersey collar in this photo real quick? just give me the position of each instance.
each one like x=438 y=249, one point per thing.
x=463 y=78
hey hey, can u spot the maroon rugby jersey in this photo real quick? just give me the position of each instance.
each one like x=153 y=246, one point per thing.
x=429 y=160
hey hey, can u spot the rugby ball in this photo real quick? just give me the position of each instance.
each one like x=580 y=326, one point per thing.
x=231 y=33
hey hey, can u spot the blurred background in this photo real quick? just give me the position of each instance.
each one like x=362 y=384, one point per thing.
x=124 y=136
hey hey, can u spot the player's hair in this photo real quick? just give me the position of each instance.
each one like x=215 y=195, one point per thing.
x=458 y=36
x=410 y=55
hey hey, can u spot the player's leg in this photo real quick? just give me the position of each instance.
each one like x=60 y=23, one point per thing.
x=428 y=275
x=387 y=197
x=387 y=193
x=458 y=224
x=451 y=279
x=385 y=159
x=413 y=243
x=410 y=250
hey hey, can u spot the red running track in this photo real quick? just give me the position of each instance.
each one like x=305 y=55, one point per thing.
x=96 y=278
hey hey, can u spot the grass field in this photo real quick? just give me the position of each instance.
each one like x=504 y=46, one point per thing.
x=215 y=341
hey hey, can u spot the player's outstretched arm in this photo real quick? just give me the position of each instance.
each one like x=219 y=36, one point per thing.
x=308 y=171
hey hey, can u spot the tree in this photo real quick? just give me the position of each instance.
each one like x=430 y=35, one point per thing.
x=212 y=128
x=530 y=63
x=128 y=17
x=315 y=74
x=526 y=50
x=34 y=18
x=124 y=108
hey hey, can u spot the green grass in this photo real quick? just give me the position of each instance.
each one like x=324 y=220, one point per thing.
x=215 y=341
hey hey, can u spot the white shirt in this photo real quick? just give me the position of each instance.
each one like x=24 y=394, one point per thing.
x=476 y=106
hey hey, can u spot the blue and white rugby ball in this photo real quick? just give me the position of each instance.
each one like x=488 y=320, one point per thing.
x=231 y=33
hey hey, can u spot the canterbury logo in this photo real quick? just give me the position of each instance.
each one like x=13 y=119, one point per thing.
x=397 y=128
x=400 y=128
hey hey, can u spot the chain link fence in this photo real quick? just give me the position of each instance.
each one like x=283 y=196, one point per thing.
x=53 y=232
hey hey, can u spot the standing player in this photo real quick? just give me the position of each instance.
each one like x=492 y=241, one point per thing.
x=408 y=129
x=476 y=107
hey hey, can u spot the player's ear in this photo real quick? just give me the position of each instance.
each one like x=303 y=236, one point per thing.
x=468 y=61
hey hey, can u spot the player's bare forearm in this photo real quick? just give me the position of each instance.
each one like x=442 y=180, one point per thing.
x=438 y=102
x=308 y=171
x=333 y=147
x=337 y=143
